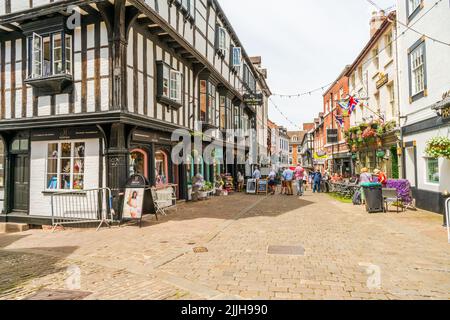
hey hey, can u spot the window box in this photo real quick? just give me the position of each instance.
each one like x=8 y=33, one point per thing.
x=54 y=84
x=170 y=86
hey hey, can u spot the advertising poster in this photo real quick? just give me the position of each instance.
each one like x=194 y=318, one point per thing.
x=133 y=204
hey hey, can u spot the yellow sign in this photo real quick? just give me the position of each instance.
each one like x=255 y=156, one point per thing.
x=446 y=113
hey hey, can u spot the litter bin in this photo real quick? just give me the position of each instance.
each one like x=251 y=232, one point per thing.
x=373 y=193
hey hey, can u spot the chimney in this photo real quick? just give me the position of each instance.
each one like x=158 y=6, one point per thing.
x=376 y=21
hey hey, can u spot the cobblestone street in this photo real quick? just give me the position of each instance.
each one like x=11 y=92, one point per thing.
x=342 y=245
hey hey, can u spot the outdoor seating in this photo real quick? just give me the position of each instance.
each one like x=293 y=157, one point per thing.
x=390 y=196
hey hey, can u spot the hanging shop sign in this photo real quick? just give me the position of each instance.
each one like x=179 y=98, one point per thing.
x=252 y=99
x=332 y=136
x=383 y=78
x=65 y=134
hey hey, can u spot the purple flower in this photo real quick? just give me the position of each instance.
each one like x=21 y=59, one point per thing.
x=403 y=189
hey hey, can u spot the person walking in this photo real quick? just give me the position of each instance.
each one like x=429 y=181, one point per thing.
x=240 y=181
x=317 y=180
x=272 y=181
x=305 y=181
x=298 y=174
x=288 y=176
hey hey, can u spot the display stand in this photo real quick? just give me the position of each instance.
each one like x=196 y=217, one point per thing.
x=137 y=200
x=263 y=187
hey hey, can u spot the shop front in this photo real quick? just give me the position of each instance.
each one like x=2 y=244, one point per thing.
x=40 y=162
x=150 y=156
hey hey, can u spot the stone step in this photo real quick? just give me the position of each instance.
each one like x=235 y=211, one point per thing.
x=13 y=227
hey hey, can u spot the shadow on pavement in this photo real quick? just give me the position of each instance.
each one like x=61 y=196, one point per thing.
x=233 y=207
x=20 y=267
x=8 y=239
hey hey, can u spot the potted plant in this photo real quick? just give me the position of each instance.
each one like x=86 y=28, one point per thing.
x=438 y=147
x=205 y=190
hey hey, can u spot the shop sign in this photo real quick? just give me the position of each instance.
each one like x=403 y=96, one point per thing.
x=382 y=80
x=150 y=137
x=65 y=134
x=253 y=99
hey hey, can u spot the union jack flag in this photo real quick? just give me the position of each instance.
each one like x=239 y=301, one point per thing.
x=340 y=120
x=352 y=103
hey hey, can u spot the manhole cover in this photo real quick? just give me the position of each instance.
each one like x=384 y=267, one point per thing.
x=286 y=250
x=58 y=295
x=200 y=250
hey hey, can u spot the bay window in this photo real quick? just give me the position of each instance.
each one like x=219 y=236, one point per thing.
x=65 y=166
x=221 y=41
x=170 y=85
x=49 y=55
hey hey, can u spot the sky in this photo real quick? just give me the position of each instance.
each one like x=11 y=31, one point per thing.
x=304 y=44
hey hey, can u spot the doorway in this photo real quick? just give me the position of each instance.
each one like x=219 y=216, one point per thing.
x=20 y=180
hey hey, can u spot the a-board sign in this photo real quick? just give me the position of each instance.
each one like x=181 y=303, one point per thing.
x=263 y=186
x=251 y=186
x=136 y=201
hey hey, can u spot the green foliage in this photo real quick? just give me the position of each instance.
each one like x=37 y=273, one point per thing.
x=394 y=158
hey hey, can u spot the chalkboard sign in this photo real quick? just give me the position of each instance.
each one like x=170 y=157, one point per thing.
x=263 y=186
x=251 y=186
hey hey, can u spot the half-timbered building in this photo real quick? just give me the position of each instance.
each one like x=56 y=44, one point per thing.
x=90 y=92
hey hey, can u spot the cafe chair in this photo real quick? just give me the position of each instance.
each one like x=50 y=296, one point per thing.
x=390 y=196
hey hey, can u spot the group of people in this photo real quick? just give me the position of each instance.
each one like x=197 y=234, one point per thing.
x=288 y=178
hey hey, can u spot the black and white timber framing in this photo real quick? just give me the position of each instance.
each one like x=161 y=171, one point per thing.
x=110 y=88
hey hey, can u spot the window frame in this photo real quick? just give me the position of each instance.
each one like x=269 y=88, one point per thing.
x=414 y=96
x=411 y=14
x=66 y=59
x=427 y=172
x=165 y=83
x=221 y=41
x=59 y=170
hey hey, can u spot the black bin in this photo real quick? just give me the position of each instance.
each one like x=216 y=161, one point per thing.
x=373 y=192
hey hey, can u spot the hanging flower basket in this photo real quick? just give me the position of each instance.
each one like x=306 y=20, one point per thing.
x=354 y=156
x=381 y=154
x=438 y=147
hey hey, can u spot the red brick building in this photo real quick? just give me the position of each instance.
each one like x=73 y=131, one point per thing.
x=339 y=157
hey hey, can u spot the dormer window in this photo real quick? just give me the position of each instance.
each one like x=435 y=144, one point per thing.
x=170 y=85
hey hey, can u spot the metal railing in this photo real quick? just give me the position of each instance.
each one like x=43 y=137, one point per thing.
x=82 y=207
x=345 y=190
x=447 y=214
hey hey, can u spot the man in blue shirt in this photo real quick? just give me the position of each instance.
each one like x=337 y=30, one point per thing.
x=256 y=174
x=288 y=176
x=317 y=180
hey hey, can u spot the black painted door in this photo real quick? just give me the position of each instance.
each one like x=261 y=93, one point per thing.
x=21 y=175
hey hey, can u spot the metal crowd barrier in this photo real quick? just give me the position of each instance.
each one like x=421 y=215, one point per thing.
x=82 y=207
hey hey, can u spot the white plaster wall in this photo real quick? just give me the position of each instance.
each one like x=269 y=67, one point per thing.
x=41 y=203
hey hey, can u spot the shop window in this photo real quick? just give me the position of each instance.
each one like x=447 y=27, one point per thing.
x=138 y=163
x=65 y=166
x=170 y=85
x=161 y=168
x=432 y=170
